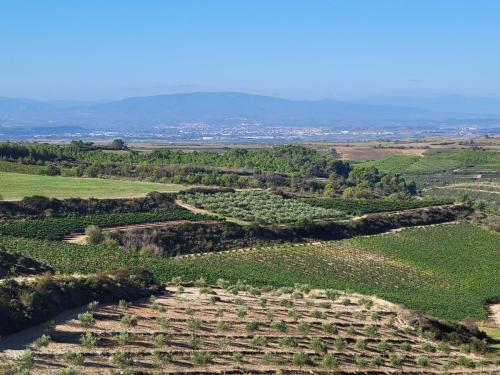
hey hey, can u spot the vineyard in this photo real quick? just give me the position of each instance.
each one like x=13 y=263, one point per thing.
x=365 y=206
x=243 y=329
x=448 y=271
x=261 y=207
x=58 y=228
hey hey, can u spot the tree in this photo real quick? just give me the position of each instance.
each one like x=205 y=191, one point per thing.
x=94 y=235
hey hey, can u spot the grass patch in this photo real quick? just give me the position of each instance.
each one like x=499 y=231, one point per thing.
x=14 y=186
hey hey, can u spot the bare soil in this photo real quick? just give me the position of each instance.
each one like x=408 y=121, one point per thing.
x=191 y=323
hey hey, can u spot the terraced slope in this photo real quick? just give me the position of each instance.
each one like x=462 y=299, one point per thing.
x=248 y=330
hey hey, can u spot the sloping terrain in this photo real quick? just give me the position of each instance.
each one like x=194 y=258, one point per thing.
x=242 y=329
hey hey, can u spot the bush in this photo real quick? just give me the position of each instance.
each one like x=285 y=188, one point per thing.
x=161 y=340
x=161 y=359
x=396 y=360
x=423 y=361
x=238 y=357
x=201 y=358
x=329 y=361
x=301 y=359
x=329 y=328
x=259 y=341
x=318 y=346
x=94 y=235
x=86 y=319
x=42 y=341
x=279 y=326
x=303 y=328
x=122 y=359
x=129 y=320
x=252 y=326
x=339 y=344
x=377 y=361
x=74 y=358
x=89 y=340
x=125 y=338
x=288 y=342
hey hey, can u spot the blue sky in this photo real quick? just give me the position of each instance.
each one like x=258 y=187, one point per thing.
x=308 y=49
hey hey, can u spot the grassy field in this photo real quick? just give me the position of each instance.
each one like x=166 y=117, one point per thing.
x=407 y=164
x=448 y=271
x=17 y=186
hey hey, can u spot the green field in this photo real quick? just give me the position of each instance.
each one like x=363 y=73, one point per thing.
x=408 y=164
x=17 y=186
x=448 y=271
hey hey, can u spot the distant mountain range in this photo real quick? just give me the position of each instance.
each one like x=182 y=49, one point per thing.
x=138 y=113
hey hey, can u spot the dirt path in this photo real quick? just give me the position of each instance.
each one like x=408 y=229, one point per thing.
x=202 y=211
x=80 y=237
x=495 y=314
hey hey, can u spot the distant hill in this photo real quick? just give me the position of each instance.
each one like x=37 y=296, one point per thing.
x=219 y=108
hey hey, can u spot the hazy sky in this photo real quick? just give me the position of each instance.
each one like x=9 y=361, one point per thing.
x=299 y=49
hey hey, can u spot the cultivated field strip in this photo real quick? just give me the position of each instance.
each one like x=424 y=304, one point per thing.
x=211 y=330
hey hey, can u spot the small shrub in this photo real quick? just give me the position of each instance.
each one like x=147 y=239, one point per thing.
x=279 y=326
x=318 y=314
x=329 y=361
x=129 y=320
x=176 y=280
x=465 y=348
x=125 y=338
x=201 y=282
x=26 y=360
x=318 y=346
x=201 y=358
x=384 y=346
x=92 y=306
x=270 y=314
x=428 y=347
x=42 y=341
x=122 y=359
x=238 y=357
x=351 y=331
x=444 y=347
x=288 y=342
x=194 y=324
x=406 y=346
x=360 y=361
x=161 y=359
x=73 y=358
x=371 y=330
x=396 y=360
x=339 y=344
x=466 y=362
x=329 y=328
x=94 y=235
x=223 y=326
x=286 y=302
x=252 y=326
x=86 y=319
x=161 y=340
x=89 y=340
x=331 y=294
x=301 y=359
x=195 y=342
x=292 y=313
x=325 y=304
x=123 y=304
x=263 y=302
x=241 y=312
x=361 y=344
x=259 y=341
x=423 y=361
x=163 y=322
x=359 y=315
x=346 y=302
x=303 y=328
x=159 y=307
x=377 y=361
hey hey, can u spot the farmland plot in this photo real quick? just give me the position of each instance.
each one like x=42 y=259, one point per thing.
x=262 y=207
x=244 y=329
